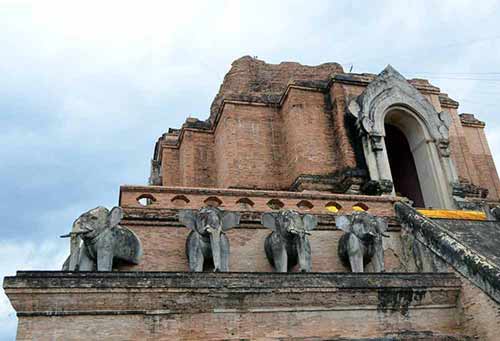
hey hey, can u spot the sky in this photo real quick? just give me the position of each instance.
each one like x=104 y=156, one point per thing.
x=86 y=88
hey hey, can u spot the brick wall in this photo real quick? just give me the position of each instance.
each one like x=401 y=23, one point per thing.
x=172 y=306
x=308 y=135
x=482 y=160
x=164 y=198
x=460 y=151
x=299 y=325
x=196 y=159
x=343 y=141
x=248 y=147
x=170 y=167
x=263 y=146
x=480 y=314
x=164 y=249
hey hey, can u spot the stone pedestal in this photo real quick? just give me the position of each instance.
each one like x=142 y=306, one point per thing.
x=215 y=306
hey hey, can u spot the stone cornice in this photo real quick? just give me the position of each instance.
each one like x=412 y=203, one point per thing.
x=447 y=102
x=468 y=120
x=260 y=193
x=198 y=280
x=33 y=293
x=365 y=79
x=317 y=86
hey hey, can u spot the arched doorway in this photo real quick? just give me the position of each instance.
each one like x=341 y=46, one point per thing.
x=391 y=99
x=403 y=169
x=423 y=181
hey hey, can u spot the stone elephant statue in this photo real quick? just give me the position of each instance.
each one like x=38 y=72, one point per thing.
x=207 y=240
x=98 y=241
x=362 y=241
x=288 y=243
x=495 y=212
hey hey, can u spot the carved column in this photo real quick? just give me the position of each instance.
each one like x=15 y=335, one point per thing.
x=377 y=163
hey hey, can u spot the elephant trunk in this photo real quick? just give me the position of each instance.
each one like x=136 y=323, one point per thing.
x=215 y=246
x=304 y=253
x=74 y=254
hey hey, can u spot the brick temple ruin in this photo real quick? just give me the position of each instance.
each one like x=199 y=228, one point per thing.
x=292 y=163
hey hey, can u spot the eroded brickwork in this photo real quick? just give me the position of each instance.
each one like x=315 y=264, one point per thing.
x=482 y=160
x=164 y=249
x=179 y=306
x=270 y=125
x=248 y=148
x=481 y=315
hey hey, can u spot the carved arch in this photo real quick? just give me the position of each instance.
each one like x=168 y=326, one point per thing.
x=213 y=202
x=305 y=205
x=245 y=203
x=390 y=91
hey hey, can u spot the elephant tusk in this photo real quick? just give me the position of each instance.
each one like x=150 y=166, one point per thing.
x=71 y=234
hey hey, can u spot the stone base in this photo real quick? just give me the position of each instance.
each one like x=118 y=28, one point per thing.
x=214 y=306
x=348 y=182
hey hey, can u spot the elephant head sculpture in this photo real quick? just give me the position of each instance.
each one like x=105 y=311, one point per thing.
x=495 y=212
x=207 y=240
x=362 y=241
x=98 y=241
x=288 y=243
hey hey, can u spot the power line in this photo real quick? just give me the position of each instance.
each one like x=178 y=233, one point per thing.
x=431 y=49
x=468 y=79
x=455 y=73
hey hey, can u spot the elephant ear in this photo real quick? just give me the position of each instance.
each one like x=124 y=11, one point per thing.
x=230 y=220
x=268 y=220
x=189 y=218
x=343 y=222
x=381 y=224
x=115 y=216
x=310 y=222
x=495 y=211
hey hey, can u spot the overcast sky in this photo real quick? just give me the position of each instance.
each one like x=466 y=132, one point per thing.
x=86 y=88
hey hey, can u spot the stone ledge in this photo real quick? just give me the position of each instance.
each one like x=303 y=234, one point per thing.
x=249 y=219
x=256 y=192
x=469 y=120
x=228 y=280
x=56 y=293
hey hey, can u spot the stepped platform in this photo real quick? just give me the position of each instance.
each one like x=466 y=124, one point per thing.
x=214 y=306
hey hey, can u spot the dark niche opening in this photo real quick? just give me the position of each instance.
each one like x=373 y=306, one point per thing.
x=403 y=169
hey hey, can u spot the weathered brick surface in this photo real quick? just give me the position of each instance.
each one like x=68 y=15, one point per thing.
x=164 y=197
x=172 y=306
x=196 y=159
x=480 y=155
x=308 y=135
x=250 y=78
x=310 y=325
x=248 y=148
x=344 y=144
x=170 y=167
x=270 y=124
x=164 y=249
x=480 y=314
x=460 y=151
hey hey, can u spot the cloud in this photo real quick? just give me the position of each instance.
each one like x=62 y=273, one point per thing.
x=29 y=255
